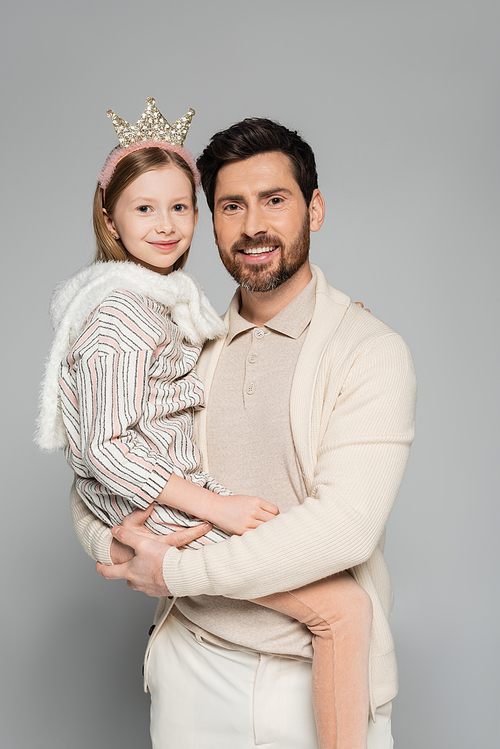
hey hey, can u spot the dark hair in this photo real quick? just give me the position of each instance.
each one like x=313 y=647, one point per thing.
x=127 y=170
x=251 y=137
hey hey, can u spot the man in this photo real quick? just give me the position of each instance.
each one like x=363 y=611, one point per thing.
x=310 y=406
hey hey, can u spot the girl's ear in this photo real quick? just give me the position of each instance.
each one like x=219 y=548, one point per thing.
x=196 y=215
x=109 y=222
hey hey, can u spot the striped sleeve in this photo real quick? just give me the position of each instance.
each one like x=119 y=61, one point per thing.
x=116 y=352
x=112 y=390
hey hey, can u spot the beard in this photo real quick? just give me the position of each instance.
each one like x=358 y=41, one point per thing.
x=261 y=277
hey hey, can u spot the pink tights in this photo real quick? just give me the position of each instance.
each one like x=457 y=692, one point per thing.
x=338 y=613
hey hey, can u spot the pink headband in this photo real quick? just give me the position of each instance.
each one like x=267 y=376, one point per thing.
x=117 y=154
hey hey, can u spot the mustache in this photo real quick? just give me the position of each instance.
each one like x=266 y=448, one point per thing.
x=267 y=240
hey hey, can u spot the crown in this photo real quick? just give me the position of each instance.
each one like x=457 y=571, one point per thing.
x=151 y=125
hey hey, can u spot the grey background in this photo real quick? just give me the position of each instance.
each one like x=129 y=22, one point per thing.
x=400 y=103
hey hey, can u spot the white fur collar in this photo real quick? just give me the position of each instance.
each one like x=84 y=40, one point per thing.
x=74 y=301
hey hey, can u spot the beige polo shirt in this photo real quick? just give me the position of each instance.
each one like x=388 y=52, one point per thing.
x=251 y=451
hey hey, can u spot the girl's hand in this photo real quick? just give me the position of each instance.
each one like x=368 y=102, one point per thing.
x=238 y=513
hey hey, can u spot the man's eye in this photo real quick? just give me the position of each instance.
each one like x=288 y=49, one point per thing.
x=276 y=201
x=231 y=207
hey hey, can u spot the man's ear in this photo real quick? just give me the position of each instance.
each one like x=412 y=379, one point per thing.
x=316 y=211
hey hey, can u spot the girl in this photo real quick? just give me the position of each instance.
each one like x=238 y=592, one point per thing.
x=120 y=391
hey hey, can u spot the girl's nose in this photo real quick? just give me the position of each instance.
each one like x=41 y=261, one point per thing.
x=165 y=224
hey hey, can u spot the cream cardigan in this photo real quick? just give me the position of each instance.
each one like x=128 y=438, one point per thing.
x=352 y=414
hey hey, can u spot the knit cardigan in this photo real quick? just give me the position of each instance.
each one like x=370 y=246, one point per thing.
x=352 y=415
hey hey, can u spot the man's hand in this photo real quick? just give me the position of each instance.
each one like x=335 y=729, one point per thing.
x=135 y=522
x=144 y=571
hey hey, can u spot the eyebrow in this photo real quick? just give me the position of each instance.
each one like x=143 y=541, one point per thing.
x=152 y=200
x=262 y=194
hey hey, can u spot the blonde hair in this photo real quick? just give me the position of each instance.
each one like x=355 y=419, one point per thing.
x=127 y=170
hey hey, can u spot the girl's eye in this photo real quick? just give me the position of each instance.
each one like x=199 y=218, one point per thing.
x=144 y=208
x=180 y=207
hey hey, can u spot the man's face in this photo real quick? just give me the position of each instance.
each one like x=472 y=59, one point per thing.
x=261 y=221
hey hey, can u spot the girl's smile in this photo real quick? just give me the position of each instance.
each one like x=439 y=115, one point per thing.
x=164 y=246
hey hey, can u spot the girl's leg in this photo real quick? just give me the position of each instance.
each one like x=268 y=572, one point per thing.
x=338 y=613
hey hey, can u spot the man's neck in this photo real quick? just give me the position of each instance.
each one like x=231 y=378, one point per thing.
x=258 y=307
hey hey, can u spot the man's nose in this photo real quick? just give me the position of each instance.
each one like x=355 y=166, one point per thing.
x=255 y=222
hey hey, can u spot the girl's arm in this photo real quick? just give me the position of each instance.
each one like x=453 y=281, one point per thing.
x=121 y=460
x=112 y=379
x=235 y=513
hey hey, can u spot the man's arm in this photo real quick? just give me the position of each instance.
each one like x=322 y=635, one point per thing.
x=360 y=466
x=94 y=536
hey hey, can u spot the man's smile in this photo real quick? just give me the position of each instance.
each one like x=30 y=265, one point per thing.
x=259 y=256
x=258 y=250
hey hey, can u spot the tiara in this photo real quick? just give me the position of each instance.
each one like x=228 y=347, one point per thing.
x=151 y=125
x=151 y=130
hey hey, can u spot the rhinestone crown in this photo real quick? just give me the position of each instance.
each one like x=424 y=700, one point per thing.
x=151 y=125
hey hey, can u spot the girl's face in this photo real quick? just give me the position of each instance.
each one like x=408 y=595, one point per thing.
x=155 y=218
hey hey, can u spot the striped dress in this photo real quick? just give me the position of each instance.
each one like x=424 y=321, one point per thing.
x=128 y=390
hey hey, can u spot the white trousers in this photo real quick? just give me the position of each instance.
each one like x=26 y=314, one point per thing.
x=207 y=697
